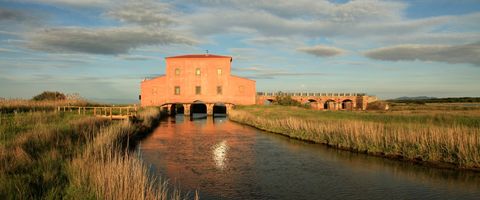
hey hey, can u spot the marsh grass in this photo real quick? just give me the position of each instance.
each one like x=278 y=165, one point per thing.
x=449 y=138
x=44 y=155
x=22 y=105
x=33 y=158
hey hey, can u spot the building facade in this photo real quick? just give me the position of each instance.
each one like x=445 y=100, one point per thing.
x=204 y=78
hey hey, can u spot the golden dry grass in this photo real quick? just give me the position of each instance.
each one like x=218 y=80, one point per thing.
x=109 y=171
x=455 y=143
x=23 y=105
x=56 y=155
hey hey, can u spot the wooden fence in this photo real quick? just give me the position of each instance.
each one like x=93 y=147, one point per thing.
x=106 y=112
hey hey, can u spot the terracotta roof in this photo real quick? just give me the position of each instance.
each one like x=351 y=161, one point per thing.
x=200 y=56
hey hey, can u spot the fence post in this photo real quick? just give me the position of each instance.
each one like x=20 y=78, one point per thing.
x=79 y=111
x=94 y=111
x=110 y=113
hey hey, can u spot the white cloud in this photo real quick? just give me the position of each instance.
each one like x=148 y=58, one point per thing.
x=469 y=53
x=101 y=40
x=143 y=12
x=8 y=50
x=322 y=51
x=367 y=20
x=78 y=3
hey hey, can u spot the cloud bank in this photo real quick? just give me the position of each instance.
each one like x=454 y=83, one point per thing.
x=102 y=40
x=322 y=51
x=468 y=53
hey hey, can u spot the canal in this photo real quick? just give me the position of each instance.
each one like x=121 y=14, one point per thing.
x=226 y=160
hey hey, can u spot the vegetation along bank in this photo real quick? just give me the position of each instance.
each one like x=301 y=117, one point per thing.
x=48 y=155
x=444 y=139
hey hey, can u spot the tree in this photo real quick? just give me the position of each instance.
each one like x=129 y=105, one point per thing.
x=287 y=101
x=48 y=95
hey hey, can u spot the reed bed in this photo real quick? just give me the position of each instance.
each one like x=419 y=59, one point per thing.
x=454 y=143
x=23 y=105
x=108 y=170
x=32 y=161
x=45 y=155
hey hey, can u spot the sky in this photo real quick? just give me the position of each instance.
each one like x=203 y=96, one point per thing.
x=103 y=49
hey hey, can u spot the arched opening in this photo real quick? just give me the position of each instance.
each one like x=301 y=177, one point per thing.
x=312 y=103
x=347 y=104
x=268 y=102
x=198 y=109
x=177 y=108
x=329 y=105
x=219 y=109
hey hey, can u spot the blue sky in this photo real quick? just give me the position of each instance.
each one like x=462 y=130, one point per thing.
x=102 y=49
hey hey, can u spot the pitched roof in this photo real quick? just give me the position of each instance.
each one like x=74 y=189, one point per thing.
x=200 y=56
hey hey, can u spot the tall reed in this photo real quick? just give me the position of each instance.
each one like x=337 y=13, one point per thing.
x=23 y=105
x=453 y=144
x=109 y=171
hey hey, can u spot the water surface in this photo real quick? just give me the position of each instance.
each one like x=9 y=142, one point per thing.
x=226 y=160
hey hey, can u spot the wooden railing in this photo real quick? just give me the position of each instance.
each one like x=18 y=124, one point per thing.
x=124 y=112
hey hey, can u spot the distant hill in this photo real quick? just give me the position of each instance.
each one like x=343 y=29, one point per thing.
x=425 y=99
x=415 y=98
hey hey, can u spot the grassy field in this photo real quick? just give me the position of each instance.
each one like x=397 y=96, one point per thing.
x=432 y=133
x=47 y=155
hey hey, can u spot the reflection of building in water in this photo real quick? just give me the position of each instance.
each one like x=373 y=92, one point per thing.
x=199 y=152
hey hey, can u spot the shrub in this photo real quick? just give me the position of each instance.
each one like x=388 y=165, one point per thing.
x=48 y=95
x=286 y=101
x=377 y=105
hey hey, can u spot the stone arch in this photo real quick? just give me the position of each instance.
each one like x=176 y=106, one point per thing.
x=313 y=103
x=268 y=101
x=347 y=104
x=329 y=104
x=176 y=108
x=198 y=107
x=219 y=109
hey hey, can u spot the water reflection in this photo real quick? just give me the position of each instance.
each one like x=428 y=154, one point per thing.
x=225 y=160
x=220 y=154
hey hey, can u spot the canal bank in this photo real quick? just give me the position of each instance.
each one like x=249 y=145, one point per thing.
x=226 y=160
x=440 y=141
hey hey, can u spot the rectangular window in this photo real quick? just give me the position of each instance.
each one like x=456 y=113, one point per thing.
x=197 y=72
x=219 y=72
x=177 y=72
x=219 y=90
x=177 y=90
x=198 y=90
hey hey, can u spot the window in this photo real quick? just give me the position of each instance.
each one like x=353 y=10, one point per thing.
x=177 y=90
x=197 y=72
x=219 y=90
x=219 y=72
x=177 y=71
x=198 y=90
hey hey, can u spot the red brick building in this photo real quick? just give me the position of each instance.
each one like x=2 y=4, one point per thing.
x=204 y=78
